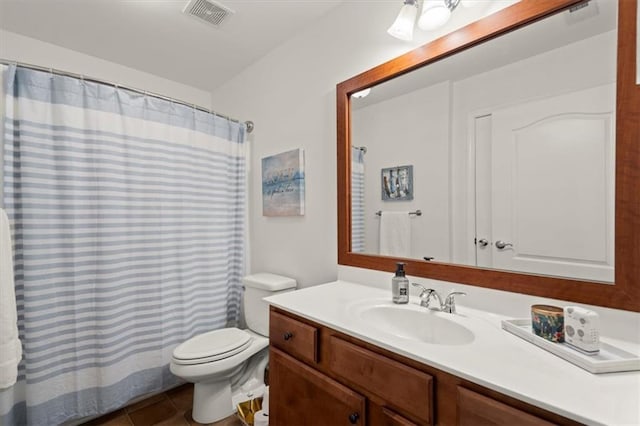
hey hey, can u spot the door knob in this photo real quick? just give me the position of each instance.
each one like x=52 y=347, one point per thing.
x=483 y=242
x=288 y=335
x=502 y=245
x=353 y=418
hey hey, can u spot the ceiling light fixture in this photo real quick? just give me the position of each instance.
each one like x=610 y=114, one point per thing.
x=435 y=13
x=362 y=94
x=402 y=27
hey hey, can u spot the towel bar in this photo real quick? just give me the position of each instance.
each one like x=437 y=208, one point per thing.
x=416 y=213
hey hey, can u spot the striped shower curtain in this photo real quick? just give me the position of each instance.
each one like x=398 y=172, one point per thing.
x=357 y=200
x=127 y=216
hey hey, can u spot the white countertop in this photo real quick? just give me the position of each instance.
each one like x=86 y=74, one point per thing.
x=495 y=359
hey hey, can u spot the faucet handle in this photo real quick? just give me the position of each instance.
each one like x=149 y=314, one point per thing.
x=450 y=301
x=425 y=294
x=424 y=289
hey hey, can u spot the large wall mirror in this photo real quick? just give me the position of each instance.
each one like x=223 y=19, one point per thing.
x=515 y=140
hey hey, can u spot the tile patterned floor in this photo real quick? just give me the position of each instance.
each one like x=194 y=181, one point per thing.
x=172 y=408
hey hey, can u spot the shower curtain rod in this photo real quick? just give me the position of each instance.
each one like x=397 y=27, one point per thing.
x=249 y=124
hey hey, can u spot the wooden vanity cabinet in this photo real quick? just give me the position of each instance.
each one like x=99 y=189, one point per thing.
x=319 y=376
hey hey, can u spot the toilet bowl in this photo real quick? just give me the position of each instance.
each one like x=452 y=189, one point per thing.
x=227 y=365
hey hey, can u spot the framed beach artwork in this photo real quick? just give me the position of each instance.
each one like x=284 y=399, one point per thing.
x=283 y=184
x=397 y=183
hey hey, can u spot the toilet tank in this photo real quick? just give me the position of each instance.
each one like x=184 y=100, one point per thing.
x=258 y=286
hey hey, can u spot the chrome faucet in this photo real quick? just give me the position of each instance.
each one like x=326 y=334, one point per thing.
x=449 y=304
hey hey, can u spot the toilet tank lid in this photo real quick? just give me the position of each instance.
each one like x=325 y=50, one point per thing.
x=269 y=282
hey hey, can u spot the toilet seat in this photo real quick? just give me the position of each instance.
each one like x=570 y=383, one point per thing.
x=212 y=346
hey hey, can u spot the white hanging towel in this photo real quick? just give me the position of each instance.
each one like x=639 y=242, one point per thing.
x=10 y=347
x=395 y=234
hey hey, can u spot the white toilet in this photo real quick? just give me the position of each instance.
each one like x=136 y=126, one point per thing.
x=227 y=365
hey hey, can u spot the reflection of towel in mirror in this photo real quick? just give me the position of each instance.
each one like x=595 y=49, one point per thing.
x=395 y=234
x=10 y=348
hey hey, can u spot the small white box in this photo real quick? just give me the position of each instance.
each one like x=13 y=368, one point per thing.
x=582 y=329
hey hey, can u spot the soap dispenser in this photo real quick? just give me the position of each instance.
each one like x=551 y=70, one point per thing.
x=400 y=285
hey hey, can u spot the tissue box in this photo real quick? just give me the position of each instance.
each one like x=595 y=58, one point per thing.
x=247 y=409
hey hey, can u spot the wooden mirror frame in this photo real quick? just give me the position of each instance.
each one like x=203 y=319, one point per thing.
x=625 y=291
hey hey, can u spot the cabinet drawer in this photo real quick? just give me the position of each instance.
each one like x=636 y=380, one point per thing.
x=294 y=337
x=404 y=388
x=479 y=410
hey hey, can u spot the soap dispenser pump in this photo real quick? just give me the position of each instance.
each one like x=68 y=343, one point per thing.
x=400 y=285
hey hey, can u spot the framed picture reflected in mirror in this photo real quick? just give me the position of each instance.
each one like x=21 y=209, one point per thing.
x=397 y=183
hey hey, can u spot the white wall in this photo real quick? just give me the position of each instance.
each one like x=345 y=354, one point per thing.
x=16 y=47
x=638 y=47
x=290 y=95
x=394 y=133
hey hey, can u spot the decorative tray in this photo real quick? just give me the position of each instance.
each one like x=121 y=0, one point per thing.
x=610 y=358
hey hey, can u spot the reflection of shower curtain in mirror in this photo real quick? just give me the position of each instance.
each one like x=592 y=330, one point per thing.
x=357 y=200
x=128 y=223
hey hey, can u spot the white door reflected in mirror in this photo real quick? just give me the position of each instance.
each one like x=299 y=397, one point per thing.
x=552 y=186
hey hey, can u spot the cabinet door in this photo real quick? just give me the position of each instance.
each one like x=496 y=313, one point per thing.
x=300 y=395
x=479 y=410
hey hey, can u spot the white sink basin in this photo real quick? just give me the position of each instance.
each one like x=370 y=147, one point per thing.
x=415 y=323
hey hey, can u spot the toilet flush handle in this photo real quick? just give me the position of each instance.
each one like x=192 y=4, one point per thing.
x=288 y=335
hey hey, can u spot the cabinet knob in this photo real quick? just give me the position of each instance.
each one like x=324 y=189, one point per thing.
x=288 y=335
x=353 y=418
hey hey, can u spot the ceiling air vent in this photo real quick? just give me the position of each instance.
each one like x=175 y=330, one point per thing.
x=211 y=12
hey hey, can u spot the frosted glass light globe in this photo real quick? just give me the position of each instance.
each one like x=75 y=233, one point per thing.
x=434 y=15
